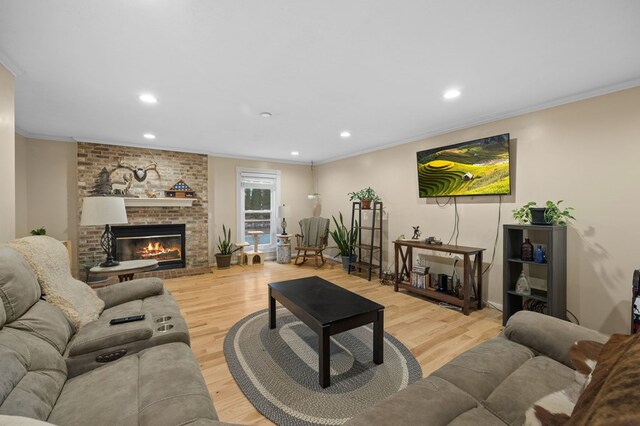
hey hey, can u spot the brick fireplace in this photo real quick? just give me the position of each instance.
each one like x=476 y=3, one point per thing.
x=171 y=167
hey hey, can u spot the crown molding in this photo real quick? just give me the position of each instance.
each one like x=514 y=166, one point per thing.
x=9 y=64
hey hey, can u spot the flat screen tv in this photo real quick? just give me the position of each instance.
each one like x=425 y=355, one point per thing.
x=478 y=167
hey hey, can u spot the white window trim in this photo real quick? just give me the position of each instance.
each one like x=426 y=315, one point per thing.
x=274 y=208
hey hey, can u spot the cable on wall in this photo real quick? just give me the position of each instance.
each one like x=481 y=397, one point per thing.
x=495 y=242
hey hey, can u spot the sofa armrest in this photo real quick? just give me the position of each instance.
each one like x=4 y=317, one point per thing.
x=127 y=291
x=98 y=335
x=548 y=335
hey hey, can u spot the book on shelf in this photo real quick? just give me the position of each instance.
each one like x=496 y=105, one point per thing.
x=420 y=277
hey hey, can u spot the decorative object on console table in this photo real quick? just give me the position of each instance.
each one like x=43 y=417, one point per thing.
x=180 y=190
x=39 y=231
x=105 y=211
x=283 y=212
x=554 y=270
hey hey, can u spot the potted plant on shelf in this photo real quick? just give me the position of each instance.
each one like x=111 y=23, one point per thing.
x=225 y=249
x=365 y=196
x=39 y=231
x=551 y=214
x=345 y=240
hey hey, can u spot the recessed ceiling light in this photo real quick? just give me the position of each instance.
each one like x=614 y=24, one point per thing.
x=295 y=153
x=451 y=94
x=148 y=98
x=265 y=114
x=345 y=134
x=149 y=136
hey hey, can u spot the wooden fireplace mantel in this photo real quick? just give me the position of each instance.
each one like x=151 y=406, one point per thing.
x=158 y=202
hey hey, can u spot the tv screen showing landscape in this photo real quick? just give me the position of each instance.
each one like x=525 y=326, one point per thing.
x=478 y=167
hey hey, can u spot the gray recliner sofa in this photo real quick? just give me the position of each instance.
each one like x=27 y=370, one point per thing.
x=493 y=383
x=127 y=374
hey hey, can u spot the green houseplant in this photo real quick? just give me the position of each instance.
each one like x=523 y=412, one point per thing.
x=365 y=196
x=225 y=249
x=345 y=239
x=39 y=231
x=551 y=214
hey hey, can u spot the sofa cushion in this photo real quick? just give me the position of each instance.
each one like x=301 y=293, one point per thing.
x=46 y=322
x=49 y=260
x=19 y=288
x=475 y=417
x=536 y=378
x=158 y=386
x=3 y=315
x=482 y=368
x=32 y=376
x=430 y=400
x=612 y=395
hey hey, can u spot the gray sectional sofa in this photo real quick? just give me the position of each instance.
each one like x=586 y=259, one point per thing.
x=126 y=374
x=494 y=383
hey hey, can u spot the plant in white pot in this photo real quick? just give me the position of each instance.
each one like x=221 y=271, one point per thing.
x=225 y=249
x=345 y=241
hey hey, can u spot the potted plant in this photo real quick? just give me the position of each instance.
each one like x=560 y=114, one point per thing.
x=39 y=231
x=551 y=214
x=365 y=196
x=225 y=249
x=345 y=240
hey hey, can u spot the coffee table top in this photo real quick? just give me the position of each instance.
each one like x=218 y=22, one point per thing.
x=325 y=301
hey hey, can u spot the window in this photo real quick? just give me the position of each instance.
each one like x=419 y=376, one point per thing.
x=258 y=198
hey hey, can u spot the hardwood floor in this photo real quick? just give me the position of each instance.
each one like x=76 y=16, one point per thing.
x=212 y=303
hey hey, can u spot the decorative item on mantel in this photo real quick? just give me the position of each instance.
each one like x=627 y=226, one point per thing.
x=102 y=185
x=122 y=188
x=140 y=173
x=180 y=190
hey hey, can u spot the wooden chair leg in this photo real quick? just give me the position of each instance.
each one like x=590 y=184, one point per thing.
x=322 y=257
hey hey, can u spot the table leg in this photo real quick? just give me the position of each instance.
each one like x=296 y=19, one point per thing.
x=467 y=285
x=272 y=311
x=324 y=344
x=125 y=277
x=378 y=338
x=478 y=262
x=396 y=261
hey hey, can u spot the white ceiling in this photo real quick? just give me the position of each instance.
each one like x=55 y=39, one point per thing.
x=377 y=68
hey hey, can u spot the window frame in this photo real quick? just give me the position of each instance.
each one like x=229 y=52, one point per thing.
x=242 y=173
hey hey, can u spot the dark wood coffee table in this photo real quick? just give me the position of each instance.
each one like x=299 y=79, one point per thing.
x=327 y=310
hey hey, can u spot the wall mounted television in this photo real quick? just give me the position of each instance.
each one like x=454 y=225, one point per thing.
x=477 y=167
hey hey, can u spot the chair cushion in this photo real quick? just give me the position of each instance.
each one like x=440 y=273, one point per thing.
x=158 y=386
x=19 y=288
x=49 y=259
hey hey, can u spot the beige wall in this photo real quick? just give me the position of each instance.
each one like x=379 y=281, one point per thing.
x=46 y=175
x=295 y=184
x=586 y=153
x=7 y=156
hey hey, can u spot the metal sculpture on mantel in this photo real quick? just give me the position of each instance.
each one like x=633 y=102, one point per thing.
x=139 y=173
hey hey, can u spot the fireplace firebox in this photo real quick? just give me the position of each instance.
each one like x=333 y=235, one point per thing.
x=164 y=243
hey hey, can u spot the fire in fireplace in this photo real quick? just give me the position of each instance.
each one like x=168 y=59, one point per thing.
x=164 y=243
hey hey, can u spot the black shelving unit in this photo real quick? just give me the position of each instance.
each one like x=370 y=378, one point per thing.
x=554 y=271
x=369 y=248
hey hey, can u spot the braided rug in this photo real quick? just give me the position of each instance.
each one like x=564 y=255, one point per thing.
x=278 y=370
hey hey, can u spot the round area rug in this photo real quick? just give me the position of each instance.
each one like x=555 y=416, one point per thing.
x=278 y=370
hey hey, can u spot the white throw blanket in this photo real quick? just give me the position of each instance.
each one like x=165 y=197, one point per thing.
x=49 y=259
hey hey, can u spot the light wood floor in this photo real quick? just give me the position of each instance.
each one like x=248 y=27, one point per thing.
x=212 y=303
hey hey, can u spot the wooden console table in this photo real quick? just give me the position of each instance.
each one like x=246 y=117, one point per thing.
x=472 y=271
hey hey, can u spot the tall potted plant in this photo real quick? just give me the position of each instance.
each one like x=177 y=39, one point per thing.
x=225 y=249
x=345 y=239
x=366 y=196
